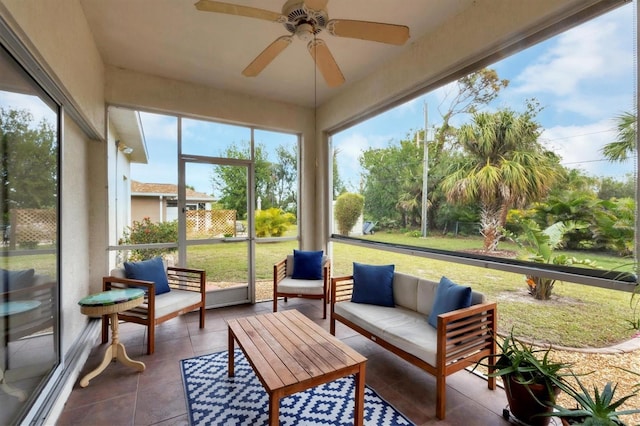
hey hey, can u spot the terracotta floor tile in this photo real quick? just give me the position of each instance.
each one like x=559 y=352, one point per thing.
x=156 y=396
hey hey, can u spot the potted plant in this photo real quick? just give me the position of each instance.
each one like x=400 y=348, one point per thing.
x=598 y=408
x=530 y=379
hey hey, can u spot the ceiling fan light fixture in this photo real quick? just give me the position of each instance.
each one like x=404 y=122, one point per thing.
x=305 y=32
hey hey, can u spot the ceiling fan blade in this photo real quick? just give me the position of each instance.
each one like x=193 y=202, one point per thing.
x=365 y=30
x=316 y=4
x=234 y=9
x=266 y=56
x=325 y=62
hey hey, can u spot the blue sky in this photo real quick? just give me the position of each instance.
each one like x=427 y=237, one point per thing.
x=583 y=78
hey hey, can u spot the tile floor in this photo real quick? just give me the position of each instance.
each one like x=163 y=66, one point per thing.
x=121 y=396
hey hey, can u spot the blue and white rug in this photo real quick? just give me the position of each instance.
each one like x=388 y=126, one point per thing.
x=215 y=399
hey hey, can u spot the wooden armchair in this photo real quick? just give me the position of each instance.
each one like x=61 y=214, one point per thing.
x=286 y=286
x=187 y=293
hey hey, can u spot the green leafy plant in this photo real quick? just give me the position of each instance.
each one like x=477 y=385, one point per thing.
x=541 y=245
x=525 y=363
x=597 y=409
x=347 y=210
x=272 y=222
x=529 y=377
x=148 y=232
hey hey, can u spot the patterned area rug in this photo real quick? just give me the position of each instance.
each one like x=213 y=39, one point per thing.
x=215 y=399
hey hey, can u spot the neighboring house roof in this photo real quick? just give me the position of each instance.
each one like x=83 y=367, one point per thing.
x=140 y=189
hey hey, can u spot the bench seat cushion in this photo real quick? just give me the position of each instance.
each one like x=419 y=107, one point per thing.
x=167 y=303
x=403 y=328
x=293 y=286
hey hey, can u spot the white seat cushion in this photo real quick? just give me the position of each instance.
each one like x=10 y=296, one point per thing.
x=408 y=330
x=289 y=285
x=167 y=303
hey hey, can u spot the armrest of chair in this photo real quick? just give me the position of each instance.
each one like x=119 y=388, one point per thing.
x=113 y=283
x=189 y=279
x=467 y=333
x=341 y=289
x=279 y=271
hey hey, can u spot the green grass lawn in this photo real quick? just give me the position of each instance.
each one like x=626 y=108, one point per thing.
x=576 y=316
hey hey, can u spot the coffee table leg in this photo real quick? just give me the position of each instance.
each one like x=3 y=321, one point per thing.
x=231 y=356
x=274 y=410
x=358 y=415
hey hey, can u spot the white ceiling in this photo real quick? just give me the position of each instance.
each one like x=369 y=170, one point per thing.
x=172 y=39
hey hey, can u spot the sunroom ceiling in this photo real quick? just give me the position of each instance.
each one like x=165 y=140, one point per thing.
x=172 y=39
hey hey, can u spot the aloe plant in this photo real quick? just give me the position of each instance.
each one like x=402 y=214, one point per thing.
x=597 y=409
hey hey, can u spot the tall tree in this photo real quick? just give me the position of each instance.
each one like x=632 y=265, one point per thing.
x=338 y=185
x=392 y=183
x=505 y=167
x=469 y=93
x=466 y=96
x=625 y=143
x=285 y=173
x=28 y=161
x=275 y=182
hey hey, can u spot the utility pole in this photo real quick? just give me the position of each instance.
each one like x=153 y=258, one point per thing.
x=425 y=171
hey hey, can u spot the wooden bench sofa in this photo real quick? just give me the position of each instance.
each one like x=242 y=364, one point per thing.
x=462 y=337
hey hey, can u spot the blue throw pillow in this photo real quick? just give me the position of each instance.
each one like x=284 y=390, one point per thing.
x=307 y=265
x=149 y=270
x=16 y=280
x=449 y=297
x=373 y=284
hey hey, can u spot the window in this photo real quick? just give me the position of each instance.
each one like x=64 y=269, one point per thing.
x=29 y=154
x=529 y=162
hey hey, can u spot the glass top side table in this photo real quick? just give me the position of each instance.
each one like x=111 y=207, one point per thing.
x=12 y=314
x=110 y=303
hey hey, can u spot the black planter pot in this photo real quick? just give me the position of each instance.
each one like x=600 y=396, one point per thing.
x=523 y=404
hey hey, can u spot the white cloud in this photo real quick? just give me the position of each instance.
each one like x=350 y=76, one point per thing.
x=351 y=146
x=580 y=147
x=157 y=126
x=592 y=51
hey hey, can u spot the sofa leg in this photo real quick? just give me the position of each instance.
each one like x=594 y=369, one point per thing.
x=441 y=397
x=202 y=313
x=151 y=339
x=275 y=303
x=324 y=310
x=491 y=383
x=332 y=326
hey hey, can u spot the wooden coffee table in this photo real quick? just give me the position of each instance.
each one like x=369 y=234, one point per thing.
x=290 y=353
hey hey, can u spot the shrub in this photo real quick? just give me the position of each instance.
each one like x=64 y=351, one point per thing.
x=273 y=222
x=347 y=210
x=147 y=232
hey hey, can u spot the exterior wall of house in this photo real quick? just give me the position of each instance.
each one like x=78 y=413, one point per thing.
x=57 y=36
x=57 y=33
x=150 y=207
x=119 y=189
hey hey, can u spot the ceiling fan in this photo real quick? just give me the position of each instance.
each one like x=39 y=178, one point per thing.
x=305 y=19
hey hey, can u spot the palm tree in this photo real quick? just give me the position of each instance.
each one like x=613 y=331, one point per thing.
x=625 y=143
x=505 y=167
